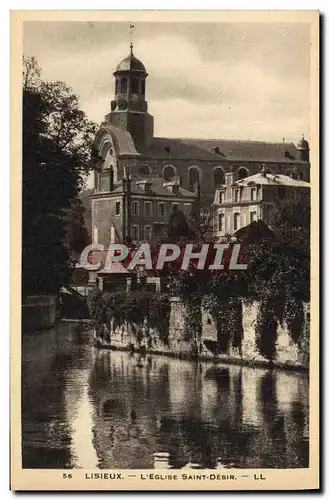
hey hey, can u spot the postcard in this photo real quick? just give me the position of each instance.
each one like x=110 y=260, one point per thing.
x=165 y=250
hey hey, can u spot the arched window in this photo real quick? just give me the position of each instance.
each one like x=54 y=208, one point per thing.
x=242 y=173
x=168 y=172
x=124 y=84
x=193 y=178
x=218 y=176
x=134 y=86
x=144 y=170
x=143 y=87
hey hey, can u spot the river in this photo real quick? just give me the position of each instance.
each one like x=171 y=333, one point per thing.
x=87 y=408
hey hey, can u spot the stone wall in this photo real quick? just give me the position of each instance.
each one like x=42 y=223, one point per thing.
x=185 y=342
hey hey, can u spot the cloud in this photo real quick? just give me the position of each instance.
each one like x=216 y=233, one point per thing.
x=229 y=81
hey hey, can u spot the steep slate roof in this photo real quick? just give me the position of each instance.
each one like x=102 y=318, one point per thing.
x=203 y=149
x=272 y=180
x=122 y=140
x=157 y=188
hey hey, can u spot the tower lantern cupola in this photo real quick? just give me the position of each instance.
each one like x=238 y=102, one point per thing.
x=129 y=107
x=303 y=150
x=130 y=76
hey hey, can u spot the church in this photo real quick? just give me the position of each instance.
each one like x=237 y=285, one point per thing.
x=170 y=172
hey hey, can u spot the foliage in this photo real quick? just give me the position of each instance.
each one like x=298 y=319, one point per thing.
x=84 y=196
x=57 y=139
x=133 y=308
x=77 y=236
x=279 y=272
x=201 y=220
x=177 y=225
x=266 y=330
x=293 y=214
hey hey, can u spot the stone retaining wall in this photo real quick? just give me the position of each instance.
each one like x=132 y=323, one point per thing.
x=184 y=342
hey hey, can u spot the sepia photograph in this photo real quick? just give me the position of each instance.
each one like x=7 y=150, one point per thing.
x=166 y=302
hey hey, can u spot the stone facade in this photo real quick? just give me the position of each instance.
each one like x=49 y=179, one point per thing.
x=150 y=201
x=241 y=202
x=126 y=140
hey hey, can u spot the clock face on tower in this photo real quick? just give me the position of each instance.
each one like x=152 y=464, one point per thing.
x=122 y=104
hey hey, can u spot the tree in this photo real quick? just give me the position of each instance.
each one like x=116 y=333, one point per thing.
x=57 y=138
x=279 y=272
x=77 y=235
x=201 y=220
x=177 y=225
x=87 y=215
x=292 y=215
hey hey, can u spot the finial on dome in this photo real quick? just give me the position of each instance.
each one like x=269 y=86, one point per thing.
x=131 y=27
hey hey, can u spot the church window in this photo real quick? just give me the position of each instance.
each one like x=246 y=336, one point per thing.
x=242 y=173
x=124 y=84
x=117 y=207
x=144 y=170
x=218 y=176
x=253 y=194
x=134 y=86
x=236 y=195
x=174 y=207
x=221 y=197
x=168 y=172
x=143 y=87
x=104 y=181
x=193 y=178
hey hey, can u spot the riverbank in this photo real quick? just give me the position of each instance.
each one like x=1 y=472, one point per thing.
x=180 y=341
x=153 y=405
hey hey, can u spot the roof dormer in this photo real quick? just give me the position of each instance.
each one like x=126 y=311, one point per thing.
x=172 y=187
x=145 y=185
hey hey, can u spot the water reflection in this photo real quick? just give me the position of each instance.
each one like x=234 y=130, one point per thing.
x=88 y=408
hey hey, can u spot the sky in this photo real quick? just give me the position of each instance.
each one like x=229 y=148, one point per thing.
x=206 y=80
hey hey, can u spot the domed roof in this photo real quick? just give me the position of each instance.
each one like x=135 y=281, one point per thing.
x=303 y=144
x=131 y=63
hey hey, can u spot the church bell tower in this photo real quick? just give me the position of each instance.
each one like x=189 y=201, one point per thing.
x=129 y=107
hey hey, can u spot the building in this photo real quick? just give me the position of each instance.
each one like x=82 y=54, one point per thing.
x=138 y=207
x=244 y=201
x=126 y=139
